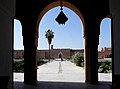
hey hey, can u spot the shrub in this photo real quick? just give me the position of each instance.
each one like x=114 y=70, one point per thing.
x=18 y=66
x=105 y=67
x=78 y=59
x=40 y=62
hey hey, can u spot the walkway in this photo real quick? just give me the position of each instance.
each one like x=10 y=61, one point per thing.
x=61 y=75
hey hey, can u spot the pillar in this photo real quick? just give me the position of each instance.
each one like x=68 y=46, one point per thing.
x=7 y=12
x=115 y=11
x=91 y=52
x=29 y=41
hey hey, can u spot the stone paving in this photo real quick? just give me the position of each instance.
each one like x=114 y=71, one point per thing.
x=62 y=75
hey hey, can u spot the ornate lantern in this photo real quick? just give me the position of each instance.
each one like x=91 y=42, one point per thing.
x=61 y=18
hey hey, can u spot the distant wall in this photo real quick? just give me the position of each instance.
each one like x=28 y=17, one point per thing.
x=105 y=53
x=54 y=53
x=66 y=53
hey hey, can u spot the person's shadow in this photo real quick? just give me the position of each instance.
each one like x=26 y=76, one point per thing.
x=61 y=59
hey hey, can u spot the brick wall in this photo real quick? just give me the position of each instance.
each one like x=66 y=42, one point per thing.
x=105 y=53
x=66 y=53
x=18 y=54
x=54 y=53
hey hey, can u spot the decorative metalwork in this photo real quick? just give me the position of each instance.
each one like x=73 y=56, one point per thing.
x=61 y=18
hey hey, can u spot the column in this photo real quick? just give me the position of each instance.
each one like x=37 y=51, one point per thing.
x=7 y=12
x=29 y=41
x=91 y=52
x=115 y=11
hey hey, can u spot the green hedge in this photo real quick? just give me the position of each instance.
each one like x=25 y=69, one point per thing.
x=105 y=67
x=78 y=59
x=40 y=62
x=18 y=66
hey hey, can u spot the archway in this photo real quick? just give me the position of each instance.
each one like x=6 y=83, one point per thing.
x=18 y=54
x=60 y=56
x=105 y=50
x=18 y=39
x=55 y=4
x=56 y=29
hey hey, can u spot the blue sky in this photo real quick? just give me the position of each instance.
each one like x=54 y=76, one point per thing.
x=65 y=36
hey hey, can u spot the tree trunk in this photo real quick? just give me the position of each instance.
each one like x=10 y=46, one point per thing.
x=49 y=52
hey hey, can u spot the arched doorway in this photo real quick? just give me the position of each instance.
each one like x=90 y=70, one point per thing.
x=60 y=56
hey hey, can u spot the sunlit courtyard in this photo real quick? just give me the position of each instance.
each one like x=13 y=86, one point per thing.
x=61 y=72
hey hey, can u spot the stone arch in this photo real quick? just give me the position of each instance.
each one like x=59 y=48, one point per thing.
x=109 y=16
x=20 y=22
x=20 y=34
x=65 y=4
x=60 y=55
x=55 y=4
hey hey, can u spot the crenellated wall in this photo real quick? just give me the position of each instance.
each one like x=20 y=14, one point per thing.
x=105 y=53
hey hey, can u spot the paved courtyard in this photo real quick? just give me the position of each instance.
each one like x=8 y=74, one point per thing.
x=62 y=75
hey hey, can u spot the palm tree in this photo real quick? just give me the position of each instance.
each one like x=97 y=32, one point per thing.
x=49 y=35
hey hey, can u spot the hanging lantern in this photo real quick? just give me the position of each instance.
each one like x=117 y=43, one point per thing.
x=61 y=18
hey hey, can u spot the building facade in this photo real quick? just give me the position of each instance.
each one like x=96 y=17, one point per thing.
x=54 y=53
x=105 y=53
x=62 y=53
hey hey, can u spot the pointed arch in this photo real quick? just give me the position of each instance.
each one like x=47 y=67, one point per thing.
x=60 y=55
